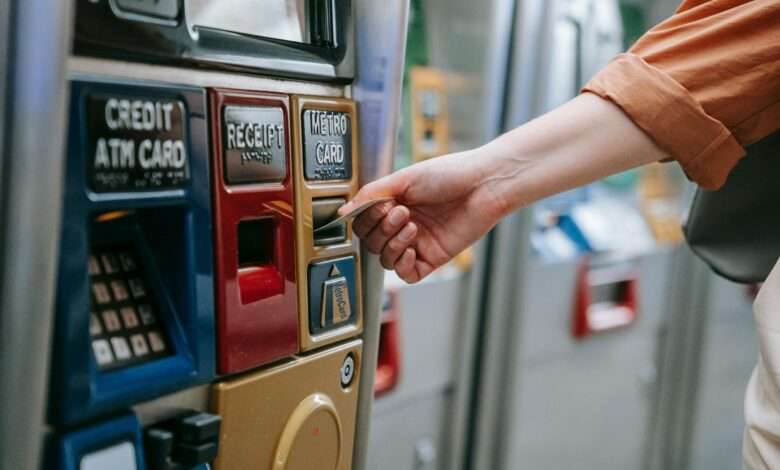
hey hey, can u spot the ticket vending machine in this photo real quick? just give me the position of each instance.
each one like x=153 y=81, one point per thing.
x=199 y=319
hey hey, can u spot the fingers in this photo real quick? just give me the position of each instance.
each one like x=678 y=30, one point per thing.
x=404 y=267
x=391 y=185
x=367 y=221
x=410 y=268
x=396 y=246
x=386 y=228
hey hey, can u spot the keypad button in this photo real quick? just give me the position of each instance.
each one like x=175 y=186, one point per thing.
x=121 y=348
x=140 y=348
x=102 y=351
x=147 y=314
x=128 y=261
x=156 y=341
x=102 y=296
x=129 y=317
x=93 y=266
x=94 y=325
x=119 y=288
x=123 y=316
x=111 y=320
x=137 y=287
x=110 y=263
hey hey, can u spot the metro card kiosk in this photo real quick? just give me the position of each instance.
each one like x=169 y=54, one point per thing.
x=199 y=320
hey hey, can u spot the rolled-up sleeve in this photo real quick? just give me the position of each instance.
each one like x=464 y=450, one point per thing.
x=703 y=84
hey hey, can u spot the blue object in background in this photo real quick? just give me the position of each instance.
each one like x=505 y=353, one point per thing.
x=564 y=202
x=171 y=231
x=567 y=224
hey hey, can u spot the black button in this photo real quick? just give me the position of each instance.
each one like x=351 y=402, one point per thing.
x=158 y=445
x=199 y=427
x=194 y=454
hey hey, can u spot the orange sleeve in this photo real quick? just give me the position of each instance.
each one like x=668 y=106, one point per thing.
x=702 y=84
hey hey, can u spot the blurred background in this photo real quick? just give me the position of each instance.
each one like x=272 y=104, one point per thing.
x=581 y=333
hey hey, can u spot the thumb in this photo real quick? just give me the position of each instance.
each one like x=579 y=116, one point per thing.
x=392 y=185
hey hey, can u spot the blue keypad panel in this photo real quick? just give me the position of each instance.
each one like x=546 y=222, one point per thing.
x=124 y=327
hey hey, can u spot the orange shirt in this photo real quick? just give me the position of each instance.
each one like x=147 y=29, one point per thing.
x=703 y=84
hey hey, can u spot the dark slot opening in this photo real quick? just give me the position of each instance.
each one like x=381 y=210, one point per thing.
x=614 y=292
x=323 y=211
x=255 y=242
x=331 y=235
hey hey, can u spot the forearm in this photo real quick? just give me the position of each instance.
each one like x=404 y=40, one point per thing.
x=580 y=142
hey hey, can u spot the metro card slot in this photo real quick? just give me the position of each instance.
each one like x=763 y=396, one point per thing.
x=327 y=229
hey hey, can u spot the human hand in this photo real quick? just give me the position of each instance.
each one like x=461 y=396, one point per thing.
x=443 y=205
x=440 y=207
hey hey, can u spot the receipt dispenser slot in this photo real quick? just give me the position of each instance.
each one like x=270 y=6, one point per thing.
x=256 y=243
x=256 y=280
x=258 y=276
x=134 y=311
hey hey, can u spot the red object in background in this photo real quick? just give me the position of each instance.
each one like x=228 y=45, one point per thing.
x=388 y=366
x=257 y=301
x=606 y=299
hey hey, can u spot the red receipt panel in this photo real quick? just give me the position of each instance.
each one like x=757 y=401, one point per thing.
x=257 y=307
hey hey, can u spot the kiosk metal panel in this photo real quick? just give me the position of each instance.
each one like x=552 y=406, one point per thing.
x=257 y=318
x=135 y=301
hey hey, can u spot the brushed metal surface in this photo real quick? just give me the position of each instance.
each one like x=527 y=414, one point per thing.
x=120 y=70
x=29 y=218
x=380 y=38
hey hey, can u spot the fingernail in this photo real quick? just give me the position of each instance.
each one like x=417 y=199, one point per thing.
x=397 y=216
x=407 y=233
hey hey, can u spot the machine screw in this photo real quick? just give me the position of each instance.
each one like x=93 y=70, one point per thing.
x=347 y=372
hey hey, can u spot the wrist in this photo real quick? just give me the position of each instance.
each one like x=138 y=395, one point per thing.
x=509 y=173
x=498 y=175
